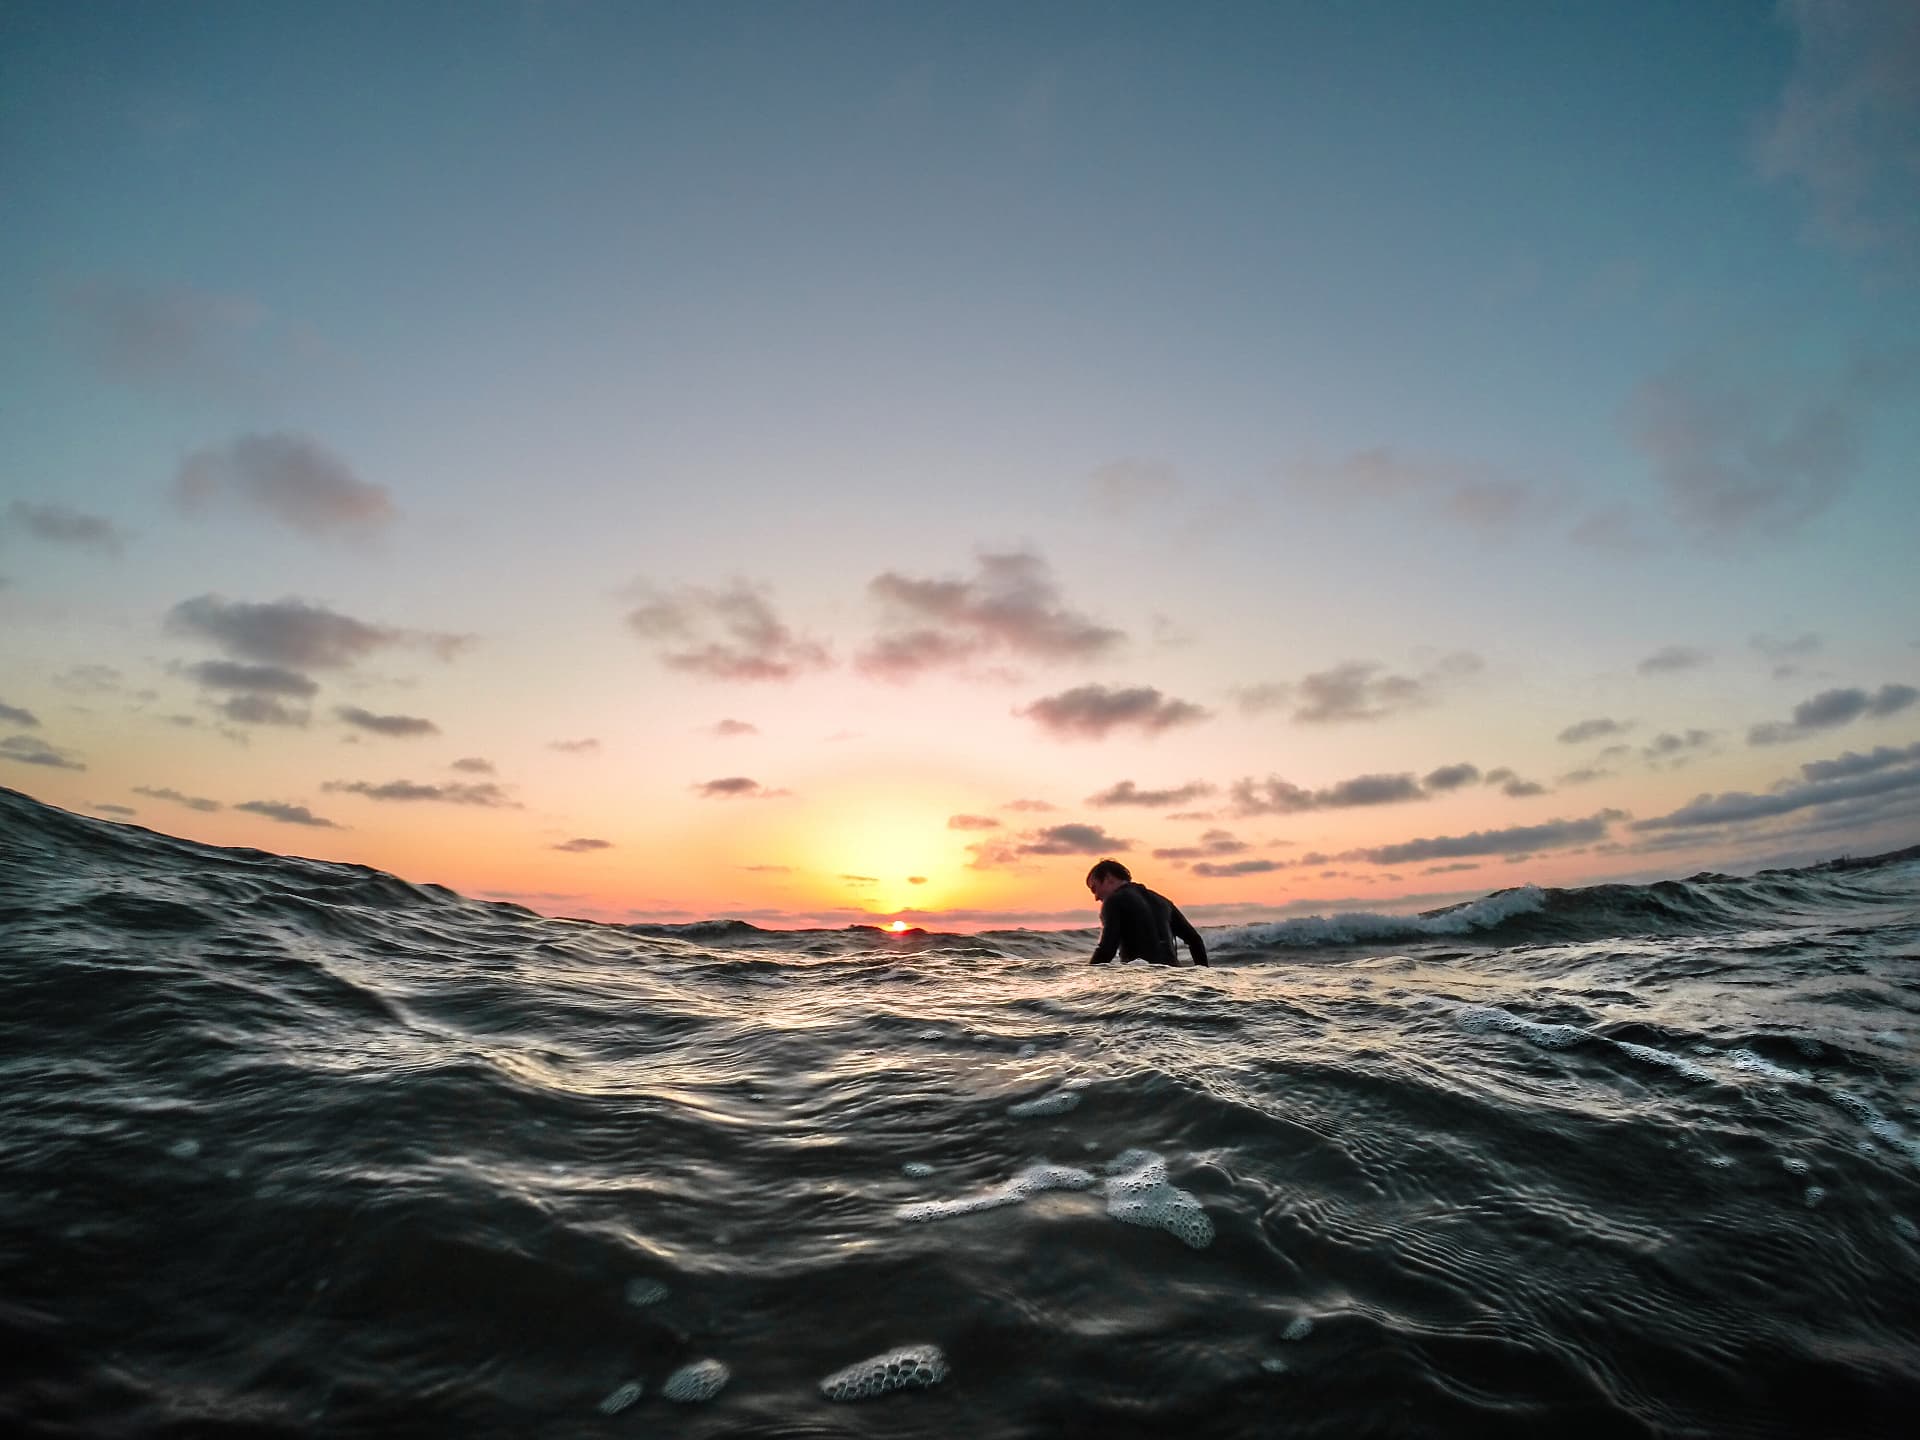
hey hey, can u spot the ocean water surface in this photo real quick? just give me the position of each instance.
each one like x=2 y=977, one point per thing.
x=292 y=1148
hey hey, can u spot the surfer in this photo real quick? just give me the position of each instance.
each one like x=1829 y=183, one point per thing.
x=1138 y=923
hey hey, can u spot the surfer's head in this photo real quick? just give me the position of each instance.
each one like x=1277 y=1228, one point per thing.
x=1106 y=877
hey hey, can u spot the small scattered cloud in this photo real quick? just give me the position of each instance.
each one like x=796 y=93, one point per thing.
x=291 y=478
x=768 y=869
x=1552 y=835
x=1072 y=839
x=730 y=634
x=1092 y=712
x=297 y=634
x=1739 y=459
x=860 y=880
x=1846 y=133
x=1212 y=843
x=1475 y=496
x=254 y=679
x=972 y=822
x=1233 y=869
x=482 y=793
x=1593 y=729
x=1012 y=607
x=15 y=715
x=90 y=680
x=1520 y=789
x=1128 y=483
x=1274 y=796
x=286 y=814
x=585 y=746
x=1672 y=747
x=173 y=339
x=1356 y=691
x=1585 y=776
x=728 y=728
x=1450 y=777
x=192 y=802
x=735 y=787
x=108 y=809
x=1786 y=652
x=1126 y=792
x=32 y=750
x=260 y=710
x=398 y=726
x=583 y=845
x=61 y=525
x=472 y=765
x=1852 y=763
x=1037 y=807
x=1671 y=658
x=1831 y=708
x=1450 y=869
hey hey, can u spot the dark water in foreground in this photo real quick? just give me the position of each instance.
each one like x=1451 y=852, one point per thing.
x=297 y=1149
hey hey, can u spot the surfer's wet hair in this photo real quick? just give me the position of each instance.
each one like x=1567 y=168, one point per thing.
x=1104 y=868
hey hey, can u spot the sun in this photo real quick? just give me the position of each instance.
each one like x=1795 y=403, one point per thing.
x=897 y=927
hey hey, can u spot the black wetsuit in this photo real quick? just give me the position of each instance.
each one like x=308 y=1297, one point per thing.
x=1140 y=924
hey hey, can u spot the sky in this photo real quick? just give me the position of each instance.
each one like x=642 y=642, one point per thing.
x=845 y=463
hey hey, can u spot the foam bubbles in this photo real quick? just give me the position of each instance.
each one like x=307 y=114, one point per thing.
x=1814 y=1195
x=1057 y=1102
x=1300 y=1327
x=622 y=1398
x=1029 y=1181
x=1139 y=1193
x=1906 y=1227
x=642 y=1290
x=702 y=1380
x=916 y=1169
x=184 y=1149
x=910 y=1367
x=1760 y=1065
x=1481 y=1018
x=1796 y=1166
x=1661 y=1057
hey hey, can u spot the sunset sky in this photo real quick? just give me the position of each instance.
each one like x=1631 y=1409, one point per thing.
x=815 y=463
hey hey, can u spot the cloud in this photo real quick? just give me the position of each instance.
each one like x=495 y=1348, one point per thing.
x=861 y=879
x=1739 y=459
x=1553 y=835
x=726 y=728
x=1671 y=658
x=1450 y=869
x=259 y=710
x=482 y=793
x=972 y=822
x=1356 y=691
x=1786 y=651
x=1236 y=868
x=1071 y=840
x=60 y=525
x=1739 y=806
x=473 y=765
x=916 y=879
x=295 y=633
x=175 y=338
x=1831 y=708
x=1669 y=746
x=1274 y=796
x=1127 y=793
x=1585 y=776
x=14 y=715
x=257 y=679
x=1212 y=842
x=1035 y=806
x=586 y=746
x=1450 y=777
x=293 y=479
x=1846 y=134
x=1520 y=789
x=753 y=643
x=106 y=809
x=735 y=786
x=1593 y=729
x=89 y=680
x=285 y=814
x=1128 y=483
x=394 y=725
x=31 y=750
x=1011 y=607
x=192 y=802
x=1472 y=495
x=1091 y=712
x=1852 y=763
x=582 y=845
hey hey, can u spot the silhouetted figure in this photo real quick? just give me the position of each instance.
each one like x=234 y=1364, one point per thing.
x=1137 y=923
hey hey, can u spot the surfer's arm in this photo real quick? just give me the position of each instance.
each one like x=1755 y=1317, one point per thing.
x=1196 y=947
x=1109 y=944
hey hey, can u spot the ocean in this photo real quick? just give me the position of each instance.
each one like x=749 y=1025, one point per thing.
x=294 y=1148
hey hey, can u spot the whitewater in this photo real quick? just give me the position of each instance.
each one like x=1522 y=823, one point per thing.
x=295 y=1148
